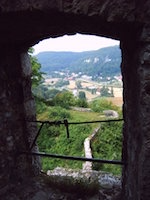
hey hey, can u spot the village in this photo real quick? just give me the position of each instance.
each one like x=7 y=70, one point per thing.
x=76 y=82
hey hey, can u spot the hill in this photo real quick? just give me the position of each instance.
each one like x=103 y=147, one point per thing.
x=104 y=62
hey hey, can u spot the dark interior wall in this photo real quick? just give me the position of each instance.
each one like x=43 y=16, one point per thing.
x=17 y=105
x=132 y=143
x=24 y=23
x=30 y=21
x=136 y=151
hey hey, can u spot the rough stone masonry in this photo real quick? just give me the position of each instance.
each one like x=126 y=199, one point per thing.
x=24 y=23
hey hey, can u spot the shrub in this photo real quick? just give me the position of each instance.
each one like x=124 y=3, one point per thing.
x=82 y=103
x=58 y=113
x=102 y=104
x=108 y=145
x=64 y=99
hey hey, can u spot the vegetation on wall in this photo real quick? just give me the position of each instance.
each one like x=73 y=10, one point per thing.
x=108 y=145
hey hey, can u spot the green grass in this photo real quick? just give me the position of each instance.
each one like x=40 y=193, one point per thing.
x=53 y=139
x=108 y=146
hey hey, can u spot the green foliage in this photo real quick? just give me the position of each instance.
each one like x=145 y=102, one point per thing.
x=57 y=113
x=105 y=92
x=82 y=95
x=108 y=145
x=40 y=106
x=102 y=104
x=78 y=84
x=61 y=83
x=82 y=103
x=112 y=92
x=54 y=97
x=36 y=66
x=81 y=100
x=52 y=93
x=53 y=139
x=64 y=99
x=41 y=91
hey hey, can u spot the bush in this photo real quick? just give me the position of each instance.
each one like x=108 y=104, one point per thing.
x=102 y=104
x=108 y=146
x=40 y=105
x=58 y=113
x=64 y=99
x=53 y=139
x=82 y=103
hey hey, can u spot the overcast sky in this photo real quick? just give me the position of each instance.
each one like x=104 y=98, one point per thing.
x=76 y=43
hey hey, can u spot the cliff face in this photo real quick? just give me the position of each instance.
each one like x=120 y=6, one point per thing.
x=23 y=24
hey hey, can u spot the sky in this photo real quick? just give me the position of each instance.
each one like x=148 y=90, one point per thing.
x=75 y=43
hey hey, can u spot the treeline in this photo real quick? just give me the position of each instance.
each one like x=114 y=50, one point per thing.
x=63 y=98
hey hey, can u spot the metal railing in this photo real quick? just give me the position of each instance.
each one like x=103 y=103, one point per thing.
x=66 y=123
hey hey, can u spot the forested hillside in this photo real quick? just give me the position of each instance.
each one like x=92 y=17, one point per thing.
x=103 y=62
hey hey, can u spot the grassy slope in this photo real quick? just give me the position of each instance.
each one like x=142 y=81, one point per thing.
x=53 y=140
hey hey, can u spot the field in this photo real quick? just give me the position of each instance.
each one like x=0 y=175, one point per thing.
x=116 y=100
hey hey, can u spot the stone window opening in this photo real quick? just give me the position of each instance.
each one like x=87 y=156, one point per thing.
x=23 y=24
x=57 y=172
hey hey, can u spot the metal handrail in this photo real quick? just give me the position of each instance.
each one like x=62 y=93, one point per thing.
x=42 y=154
x=66 y=123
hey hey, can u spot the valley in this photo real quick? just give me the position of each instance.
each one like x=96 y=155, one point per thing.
x=94 y=73
x=80 y=87
x=91 y=88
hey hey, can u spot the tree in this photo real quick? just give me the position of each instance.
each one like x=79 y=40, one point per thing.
x=61 y=83
x=78 y=84
x=81 y=101
x=82 y=95
x=36 y=67
x=105 y=92
x=64 y=99
x=112 y=91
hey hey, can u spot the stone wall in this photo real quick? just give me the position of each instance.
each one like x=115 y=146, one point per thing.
x=136 y=114
x=16 y=105
x=23 y=24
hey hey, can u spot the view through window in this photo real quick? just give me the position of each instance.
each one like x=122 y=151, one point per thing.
x=81 y=82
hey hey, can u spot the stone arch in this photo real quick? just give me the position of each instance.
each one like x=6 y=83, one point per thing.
x=23 y=24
